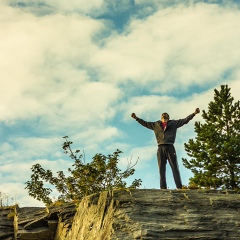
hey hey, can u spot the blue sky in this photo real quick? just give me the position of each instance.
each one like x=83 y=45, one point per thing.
x=80 y=68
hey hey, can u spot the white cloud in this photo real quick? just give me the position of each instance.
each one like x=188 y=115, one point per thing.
x=174 y=48
x=43 y=74
x=14 y=193
x=144 y=155
x=60 y=74
x=4 y=147
x=150 y=107
x=234 y=84
x=96 y=138
x=47 y=74
x=82 y=106
x=24 y=149
x=14 y=176
x=21 y=171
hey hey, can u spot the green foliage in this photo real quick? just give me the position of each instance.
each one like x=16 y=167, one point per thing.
x=215 y=152
x=102 y=173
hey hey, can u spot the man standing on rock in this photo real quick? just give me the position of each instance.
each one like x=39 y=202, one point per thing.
x=165 y=131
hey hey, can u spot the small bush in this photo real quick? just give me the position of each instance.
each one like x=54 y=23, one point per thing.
x=100 y=174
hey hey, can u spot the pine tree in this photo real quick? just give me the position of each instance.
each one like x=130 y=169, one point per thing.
x=215 y=152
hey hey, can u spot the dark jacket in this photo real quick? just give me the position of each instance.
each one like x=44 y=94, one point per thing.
x=168 y=135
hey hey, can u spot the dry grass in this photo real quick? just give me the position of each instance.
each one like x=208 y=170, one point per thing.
x=11 y=215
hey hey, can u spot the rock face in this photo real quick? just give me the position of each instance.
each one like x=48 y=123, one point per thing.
x=131 y=214
x=32 y=223
x=6 y=224
x=156 y=214
x=38 y=224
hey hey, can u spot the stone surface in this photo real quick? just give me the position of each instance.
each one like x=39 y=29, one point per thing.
x=6 y=224
x=39 y=224
x=132 y=214
x=156 y=214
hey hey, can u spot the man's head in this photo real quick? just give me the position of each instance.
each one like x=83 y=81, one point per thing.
x=165 y=117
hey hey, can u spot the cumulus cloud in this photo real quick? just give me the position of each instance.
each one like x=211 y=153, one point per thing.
x=14 y=175
x=25 y=149
x=14 y=193
x=143 y=154
x=150 y=107
x=172 y=49
x=43 y=73
x=175 y=47
x=66 y=70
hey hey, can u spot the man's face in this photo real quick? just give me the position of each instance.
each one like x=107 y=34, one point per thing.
x=165 y=116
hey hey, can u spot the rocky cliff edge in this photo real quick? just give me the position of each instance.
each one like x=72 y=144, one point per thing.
x=156 y=214
x=132 y=214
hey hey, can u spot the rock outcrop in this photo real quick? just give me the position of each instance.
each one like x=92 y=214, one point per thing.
x=156 y=214
x=6 y=223
x=132 y=214
x=39 y=224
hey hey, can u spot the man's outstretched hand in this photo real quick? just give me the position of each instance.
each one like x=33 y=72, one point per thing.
x=197 y=111
x=133 y=115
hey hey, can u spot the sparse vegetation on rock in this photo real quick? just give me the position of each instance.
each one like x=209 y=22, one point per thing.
x=102 y=173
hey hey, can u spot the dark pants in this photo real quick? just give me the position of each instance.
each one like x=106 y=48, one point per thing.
x=167 y=152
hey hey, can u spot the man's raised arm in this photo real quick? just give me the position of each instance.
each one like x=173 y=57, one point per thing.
x=183 y=121
x=149 y=125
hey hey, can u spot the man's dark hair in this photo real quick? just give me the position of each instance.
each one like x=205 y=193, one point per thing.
x=165 y=115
